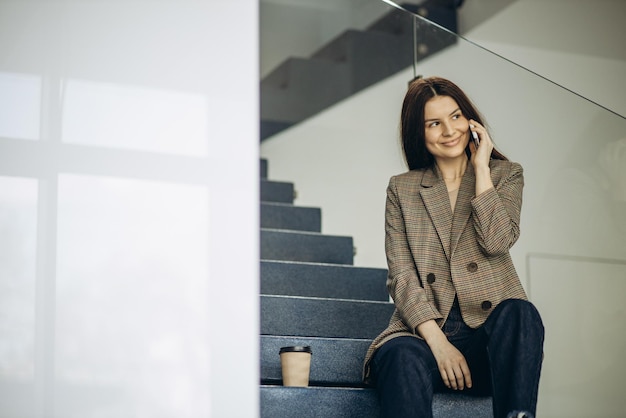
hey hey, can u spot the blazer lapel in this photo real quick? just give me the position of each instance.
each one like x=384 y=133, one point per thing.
x=463 y=207
x=435 y=197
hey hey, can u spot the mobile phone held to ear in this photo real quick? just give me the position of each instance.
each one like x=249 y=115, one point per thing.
x=475 y=137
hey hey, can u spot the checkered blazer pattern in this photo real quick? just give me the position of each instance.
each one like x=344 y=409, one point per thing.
x=433 y=254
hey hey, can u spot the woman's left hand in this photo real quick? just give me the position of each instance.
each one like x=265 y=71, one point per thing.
x=481 y=155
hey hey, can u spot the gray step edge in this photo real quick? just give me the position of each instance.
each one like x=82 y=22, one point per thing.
x=289 y=217
x=332 y=402
x=334 y=362
x=323 y=317
x=323 y=280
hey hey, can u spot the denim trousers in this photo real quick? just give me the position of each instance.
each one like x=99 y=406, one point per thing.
x=504 y=356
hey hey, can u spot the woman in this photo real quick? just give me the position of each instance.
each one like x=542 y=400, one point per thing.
x=462 y=320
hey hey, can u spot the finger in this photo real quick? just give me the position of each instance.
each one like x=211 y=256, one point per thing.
x=453 y=380
x=448 y=379
x=479 y=129
x=467 y=375
x=460 y=379
x=475 y=123
x=473 y=127
x=472 y=147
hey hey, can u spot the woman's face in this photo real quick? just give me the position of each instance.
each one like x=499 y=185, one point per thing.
x=446 y=129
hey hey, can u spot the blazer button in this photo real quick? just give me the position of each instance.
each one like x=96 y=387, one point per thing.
x=486 y=305
x=430 y=278
x=472 y=267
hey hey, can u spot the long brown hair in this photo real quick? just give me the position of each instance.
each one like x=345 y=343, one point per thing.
x=412 y=129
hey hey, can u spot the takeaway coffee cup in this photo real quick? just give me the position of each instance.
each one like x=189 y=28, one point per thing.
x=295 y=363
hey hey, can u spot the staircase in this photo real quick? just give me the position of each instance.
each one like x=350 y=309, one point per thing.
x=311 y=294
x=301 y=87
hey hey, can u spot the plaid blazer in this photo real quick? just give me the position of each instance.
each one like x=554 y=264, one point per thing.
x=433 y=254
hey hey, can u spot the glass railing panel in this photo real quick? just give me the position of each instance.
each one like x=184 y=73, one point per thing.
x=574 y=217
x=571 y=255
x=301 y=28
x=325 y=53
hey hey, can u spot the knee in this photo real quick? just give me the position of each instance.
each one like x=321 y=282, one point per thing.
x=400 y=350
x=520 y=308
x=523 y=313
x=402 y=356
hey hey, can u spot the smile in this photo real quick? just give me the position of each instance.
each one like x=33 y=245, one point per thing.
x=451 y=143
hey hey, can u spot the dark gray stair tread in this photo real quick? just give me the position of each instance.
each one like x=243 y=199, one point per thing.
x=301 y=87
x=276 y=191
x=397 y=22
x=323 y=280
x=286 y=216
x=319 y=317
x=291 y=72
x=370 y=55
x=317 y=402
x=400 y=22
x=335 y=361
x=456 y=405
x=306 y=246
x=272 y=127
x=320 y=402
x=263 y=168
x=354 y=43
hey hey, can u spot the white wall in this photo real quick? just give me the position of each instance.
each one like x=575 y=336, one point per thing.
x=118 y=169
x=575 y=43
x=572 y=251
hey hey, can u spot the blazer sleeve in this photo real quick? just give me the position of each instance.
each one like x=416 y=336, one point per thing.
x=403 y=280
x=496 y=212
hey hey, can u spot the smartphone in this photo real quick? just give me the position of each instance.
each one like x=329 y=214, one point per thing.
x=475 y=137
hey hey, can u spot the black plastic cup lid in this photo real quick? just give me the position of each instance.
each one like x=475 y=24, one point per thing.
x=296 y=349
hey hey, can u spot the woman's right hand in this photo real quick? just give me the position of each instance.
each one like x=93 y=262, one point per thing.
x=452 y=365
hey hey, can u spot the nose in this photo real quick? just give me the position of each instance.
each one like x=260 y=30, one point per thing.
x=448 y=129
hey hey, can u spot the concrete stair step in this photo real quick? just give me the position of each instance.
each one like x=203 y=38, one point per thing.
x=400 y=22
x=286 y=216
x=335 y=361
x=370 y=55
x=323 y=281
x=356 y=59
x=272 y=127
x=317 y=402
x=396 y=22
x=277 y=191
x=332 y=402
x=306 y=246
x=319 y=317
x=290 y=73
x=301 y=87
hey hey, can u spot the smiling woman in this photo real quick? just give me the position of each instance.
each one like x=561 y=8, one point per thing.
x=417 y=103
x=461 y=311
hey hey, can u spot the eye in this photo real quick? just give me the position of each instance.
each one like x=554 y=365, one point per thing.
x=456 y=116
x=433 y=124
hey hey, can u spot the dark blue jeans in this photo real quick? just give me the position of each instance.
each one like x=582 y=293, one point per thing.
x=504 y=356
